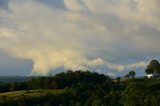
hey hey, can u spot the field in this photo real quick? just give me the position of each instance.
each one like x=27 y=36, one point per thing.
x=29 y=93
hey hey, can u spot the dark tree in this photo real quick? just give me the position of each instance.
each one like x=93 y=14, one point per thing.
x=127 y=75
x=153 y=66
x=118 y=79
x=132 y=74
x=133 y=95
x=149 y=71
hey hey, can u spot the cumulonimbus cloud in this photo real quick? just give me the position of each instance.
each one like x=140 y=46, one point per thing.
x=84 y=34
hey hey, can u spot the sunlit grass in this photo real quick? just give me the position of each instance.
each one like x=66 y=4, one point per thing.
x=29 y=93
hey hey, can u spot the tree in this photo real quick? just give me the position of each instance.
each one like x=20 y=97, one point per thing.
x=118 y=79
x=127 y=75
x=149 y=71
x=132 y=74
x=153 y=66
x=133 y=95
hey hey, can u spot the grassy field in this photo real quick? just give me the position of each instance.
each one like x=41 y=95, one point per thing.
x=29 y=93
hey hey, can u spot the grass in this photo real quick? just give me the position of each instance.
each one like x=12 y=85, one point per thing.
x=29 y=93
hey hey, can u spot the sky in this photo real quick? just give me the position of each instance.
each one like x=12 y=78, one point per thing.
x=42 y=37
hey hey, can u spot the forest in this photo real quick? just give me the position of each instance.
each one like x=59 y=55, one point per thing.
x=84 y=88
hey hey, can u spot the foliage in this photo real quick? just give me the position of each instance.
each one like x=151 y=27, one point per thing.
x=81 y=88
x=149 y=71
x=133 y=95
x=153 y=66
x=132 y=74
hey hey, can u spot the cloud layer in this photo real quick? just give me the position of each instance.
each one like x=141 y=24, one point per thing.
x=99 y=35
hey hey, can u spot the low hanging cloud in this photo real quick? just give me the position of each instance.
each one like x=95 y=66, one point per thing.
x=84 y=34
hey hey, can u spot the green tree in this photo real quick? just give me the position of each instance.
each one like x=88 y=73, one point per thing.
x=14 y=86
x=97 y=102
x=133 y=95
x=149 y=71
x=118 y=80
x=153 y=66
x=127 y=75
x=132 y=74
x=47 y=104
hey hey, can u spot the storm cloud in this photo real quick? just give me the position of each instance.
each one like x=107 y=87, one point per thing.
x=107 y=36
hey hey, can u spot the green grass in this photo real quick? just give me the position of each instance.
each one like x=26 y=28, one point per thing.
x=29 y=93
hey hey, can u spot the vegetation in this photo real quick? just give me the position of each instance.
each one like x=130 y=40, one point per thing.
x=82 y=89
x=154 y=66
x=130 y=74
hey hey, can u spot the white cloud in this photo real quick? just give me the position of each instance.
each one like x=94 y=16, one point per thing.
x=73 y=5
x=90 y=33
x=141 y=64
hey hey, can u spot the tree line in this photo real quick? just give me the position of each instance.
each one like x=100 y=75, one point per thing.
x=85 y=89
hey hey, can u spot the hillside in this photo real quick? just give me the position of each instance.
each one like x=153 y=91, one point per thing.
x=81 y=89
x=9 y=79
x=29 y=93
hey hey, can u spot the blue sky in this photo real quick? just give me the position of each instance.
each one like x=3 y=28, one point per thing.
x=38 y=37
x=10 y=66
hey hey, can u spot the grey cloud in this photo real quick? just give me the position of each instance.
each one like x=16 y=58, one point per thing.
x=53 y=3
x=109 y=39
x=4 y=4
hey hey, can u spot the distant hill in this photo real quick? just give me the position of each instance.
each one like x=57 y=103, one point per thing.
x=9 y=79
x=80 y=88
